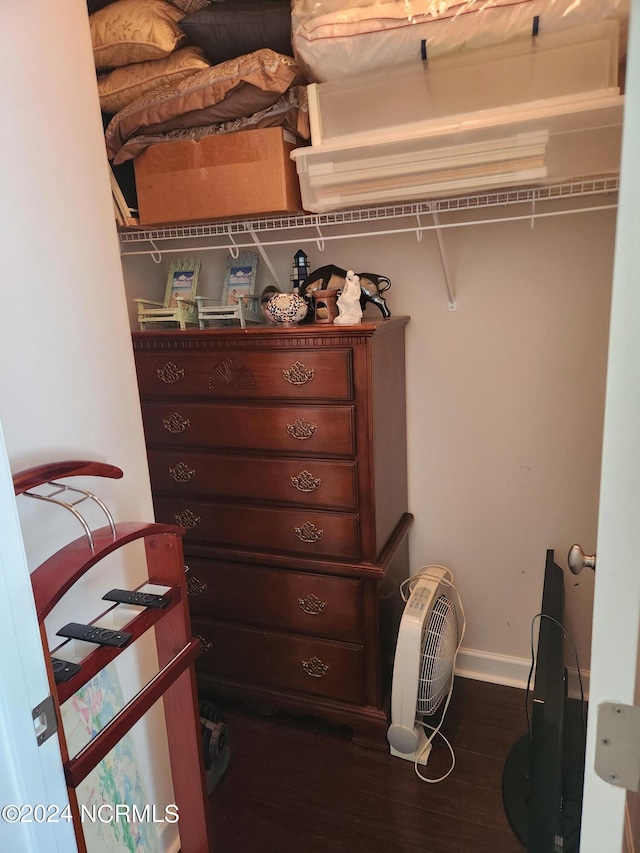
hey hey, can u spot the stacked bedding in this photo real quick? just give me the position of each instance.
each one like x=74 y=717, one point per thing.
x=339 y=38
x=192 y=68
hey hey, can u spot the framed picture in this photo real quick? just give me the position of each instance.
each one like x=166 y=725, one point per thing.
x=240 y=277
x=182 y=280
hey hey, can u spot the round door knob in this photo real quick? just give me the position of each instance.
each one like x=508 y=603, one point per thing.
x=578 y=560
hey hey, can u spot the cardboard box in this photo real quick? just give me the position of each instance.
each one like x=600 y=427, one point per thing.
x=221 y=177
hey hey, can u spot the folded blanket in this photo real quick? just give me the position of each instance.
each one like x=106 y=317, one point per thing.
x=333 y=39
x=231 y=90
x=290 y=112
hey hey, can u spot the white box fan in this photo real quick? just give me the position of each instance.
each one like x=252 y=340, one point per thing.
x=431 y=631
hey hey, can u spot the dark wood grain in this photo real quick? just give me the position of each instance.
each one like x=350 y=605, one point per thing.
x=263 y=528
x=53 y=578
x=282 y=661
x=231 y=420
x=255 y=478
x=322 y=429
x=236 y=373
x=40 y=474
x=303 y=602
x=298 y=784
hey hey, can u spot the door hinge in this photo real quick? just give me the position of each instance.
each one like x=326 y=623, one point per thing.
x=617 y=753
x=45 y=721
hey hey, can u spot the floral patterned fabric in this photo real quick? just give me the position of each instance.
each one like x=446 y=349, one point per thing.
x=117 y=778
x=134 y=31
x=120 y=87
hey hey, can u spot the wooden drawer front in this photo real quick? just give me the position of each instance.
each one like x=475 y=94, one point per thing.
x=302 y=602
x=289 y=429
x=307 y=532
x=284 y=661
x=308 y=482
x=219 y=374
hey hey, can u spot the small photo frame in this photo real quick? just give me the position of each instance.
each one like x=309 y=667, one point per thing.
x=240 y=277
x=182 y=280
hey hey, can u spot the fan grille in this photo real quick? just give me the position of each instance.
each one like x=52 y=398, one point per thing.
x=439 y=642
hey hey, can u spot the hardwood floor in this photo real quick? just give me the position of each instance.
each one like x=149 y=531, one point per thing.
x=299 y=786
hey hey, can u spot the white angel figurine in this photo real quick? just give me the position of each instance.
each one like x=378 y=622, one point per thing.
x=349 y=310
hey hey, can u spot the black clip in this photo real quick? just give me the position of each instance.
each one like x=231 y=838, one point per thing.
x=536 y=26
x=423 y=51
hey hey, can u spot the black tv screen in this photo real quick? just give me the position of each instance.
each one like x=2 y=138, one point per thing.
x=544 y=772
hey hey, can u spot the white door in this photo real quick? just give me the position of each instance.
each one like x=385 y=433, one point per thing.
x=616 y=619
x=34 y=814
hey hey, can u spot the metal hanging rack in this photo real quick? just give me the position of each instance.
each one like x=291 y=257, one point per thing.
x=62 y=488
x=132 y=239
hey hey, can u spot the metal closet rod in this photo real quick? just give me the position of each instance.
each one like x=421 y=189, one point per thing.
x=415 y=229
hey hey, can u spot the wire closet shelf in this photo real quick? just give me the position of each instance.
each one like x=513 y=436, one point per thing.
x=132 y=238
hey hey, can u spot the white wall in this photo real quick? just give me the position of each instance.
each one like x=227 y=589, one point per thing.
x=505 y=419
x=67 y=378
x=505 y=404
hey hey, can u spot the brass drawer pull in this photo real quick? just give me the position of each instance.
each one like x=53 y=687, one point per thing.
x=187 y=519
x=205 y=645
x=299 y=374
x=302 y=429
x=305 y=481
x=308 y=532
x=315 y=668
x=312 y=605
x=176 y=423
x=195 y=586
x=170 y=373
x=182 y=473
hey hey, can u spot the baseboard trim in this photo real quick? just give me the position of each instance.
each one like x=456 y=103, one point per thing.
x=514 y=672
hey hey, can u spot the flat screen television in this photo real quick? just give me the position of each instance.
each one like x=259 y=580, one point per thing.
x=544 y=771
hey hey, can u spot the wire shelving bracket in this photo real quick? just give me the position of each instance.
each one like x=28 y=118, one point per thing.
x=229 y=234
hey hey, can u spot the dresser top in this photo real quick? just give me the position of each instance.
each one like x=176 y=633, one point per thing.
x=272 y=335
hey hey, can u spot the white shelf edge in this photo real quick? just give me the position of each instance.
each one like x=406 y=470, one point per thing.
x=494 y=198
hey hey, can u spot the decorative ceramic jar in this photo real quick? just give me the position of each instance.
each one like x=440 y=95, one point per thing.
x=286 y=309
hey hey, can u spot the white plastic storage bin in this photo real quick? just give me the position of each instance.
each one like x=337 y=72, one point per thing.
x=544 y=110
x=338 y=38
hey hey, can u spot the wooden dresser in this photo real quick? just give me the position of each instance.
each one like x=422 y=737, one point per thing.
x=282 y=451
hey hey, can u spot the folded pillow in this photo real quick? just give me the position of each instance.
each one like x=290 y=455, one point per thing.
x=120 y=87
x=226 y=30
x=233 y=89
x=290 y=111
x=129 y=31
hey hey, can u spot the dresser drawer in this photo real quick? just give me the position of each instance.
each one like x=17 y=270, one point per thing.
x=287 y=373
x=307 y=482
x=281 y=661
x=302 y=602
x=307 y=532
x=289 y=429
